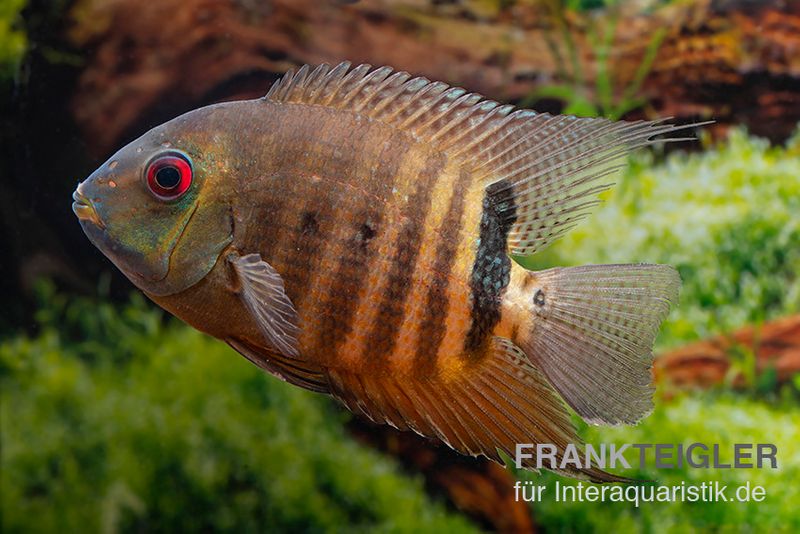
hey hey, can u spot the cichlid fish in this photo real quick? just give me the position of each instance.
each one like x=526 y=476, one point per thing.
x=354 y=233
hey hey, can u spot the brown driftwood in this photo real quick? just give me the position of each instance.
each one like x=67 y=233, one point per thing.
x=733 y=61
x=480 y=488
x=775 y=345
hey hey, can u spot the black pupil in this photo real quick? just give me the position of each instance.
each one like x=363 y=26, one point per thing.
x=168 y=177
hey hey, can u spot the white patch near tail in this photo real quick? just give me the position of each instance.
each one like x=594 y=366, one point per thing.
x=591 y=332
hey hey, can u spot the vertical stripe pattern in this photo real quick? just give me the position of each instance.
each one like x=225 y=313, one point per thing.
x=395 y=251
x=384 y=332
x=432 y=328
x=348 y=280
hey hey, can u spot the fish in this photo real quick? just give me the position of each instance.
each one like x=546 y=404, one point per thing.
x=360 y=232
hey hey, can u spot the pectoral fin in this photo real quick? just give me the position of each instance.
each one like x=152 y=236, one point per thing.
x=263 y=293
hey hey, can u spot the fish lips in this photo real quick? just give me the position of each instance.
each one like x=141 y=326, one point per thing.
x=131 y=262
x=83 y=208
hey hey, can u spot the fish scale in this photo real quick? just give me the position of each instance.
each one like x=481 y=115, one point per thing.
x=446 y=232
x=358 y=252
x=352 y=232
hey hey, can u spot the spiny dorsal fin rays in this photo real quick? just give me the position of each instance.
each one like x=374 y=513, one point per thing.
x=541 y=171
x=418 y=105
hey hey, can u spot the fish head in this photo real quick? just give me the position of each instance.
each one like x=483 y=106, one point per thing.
x=154 y=208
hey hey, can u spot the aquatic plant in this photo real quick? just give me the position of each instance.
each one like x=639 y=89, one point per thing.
x=116 y=420
x=605 y=98
x=12 y=38
x=711 y=418
x=726 y=218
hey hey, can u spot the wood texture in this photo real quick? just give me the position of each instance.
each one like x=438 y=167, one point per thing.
x=774 y=346
x=733 y=61
x=480 y=488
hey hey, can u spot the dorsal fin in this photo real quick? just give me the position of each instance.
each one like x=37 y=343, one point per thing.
x=431 y=111
x=543 y=172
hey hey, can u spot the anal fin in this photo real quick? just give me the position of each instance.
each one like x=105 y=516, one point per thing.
x=492 y=404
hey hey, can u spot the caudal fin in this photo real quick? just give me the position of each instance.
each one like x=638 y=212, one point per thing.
x=591 y=331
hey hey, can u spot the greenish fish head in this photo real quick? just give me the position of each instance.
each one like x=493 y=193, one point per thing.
x=156 y=208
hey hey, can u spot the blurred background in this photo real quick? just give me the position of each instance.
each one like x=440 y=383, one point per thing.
x=115 y=417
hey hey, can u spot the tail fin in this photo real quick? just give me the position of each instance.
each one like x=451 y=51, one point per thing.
x=591 y=332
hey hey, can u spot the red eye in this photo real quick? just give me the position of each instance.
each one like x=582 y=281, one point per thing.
x=168 y=177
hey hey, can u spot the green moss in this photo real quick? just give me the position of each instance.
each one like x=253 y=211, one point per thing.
x=12 y=39
x=114 y=420
x=708 y=418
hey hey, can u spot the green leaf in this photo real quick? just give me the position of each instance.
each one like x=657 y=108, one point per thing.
x=581 y=107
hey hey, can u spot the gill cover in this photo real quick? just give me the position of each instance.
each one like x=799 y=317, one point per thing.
x=156 y=207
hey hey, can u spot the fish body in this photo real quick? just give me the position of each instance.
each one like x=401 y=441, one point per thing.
x=392 y=220
x=353 y=232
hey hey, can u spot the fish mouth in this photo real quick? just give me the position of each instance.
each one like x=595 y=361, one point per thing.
x=83 y=208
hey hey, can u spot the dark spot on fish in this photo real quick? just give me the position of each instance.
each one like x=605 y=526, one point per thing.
x=342 y=288
x=365 y=234
x=375 y=17
x=491 y=270
x=309 y=224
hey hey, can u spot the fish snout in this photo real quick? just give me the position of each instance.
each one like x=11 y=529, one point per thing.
x=83 y=208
